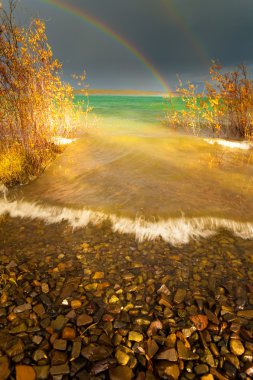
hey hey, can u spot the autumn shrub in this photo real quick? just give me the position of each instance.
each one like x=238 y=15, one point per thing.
x=224 y=107
x=35 y=105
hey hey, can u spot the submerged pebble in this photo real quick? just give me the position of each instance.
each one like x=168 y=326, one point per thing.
x=101 y=305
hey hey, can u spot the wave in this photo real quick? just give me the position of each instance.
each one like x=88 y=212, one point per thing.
x=245 y=145
x=174 y=231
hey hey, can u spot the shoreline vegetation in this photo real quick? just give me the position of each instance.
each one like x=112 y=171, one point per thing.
x=224 y=108
x=35 y=104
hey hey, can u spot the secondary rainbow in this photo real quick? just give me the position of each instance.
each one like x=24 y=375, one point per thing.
x=181 y=22
x=84 y=15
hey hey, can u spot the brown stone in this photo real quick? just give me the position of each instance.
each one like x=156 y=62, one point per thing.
x=62 y=369
x=58 y=357
x=39 y=309
x=4 y=368
x=25 y=372
x=76 y=304
x=83 y=320
x=169 y=354
x=68 y=333
x=180 y=296
x=120 y=373
x=200 y=321
x=248 y=314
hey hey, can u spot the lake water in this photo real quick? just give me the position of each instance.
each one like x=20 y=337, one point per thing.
x=145 y=178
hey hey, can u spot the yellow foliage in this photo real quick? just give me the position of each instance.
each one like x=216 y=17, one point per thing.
x=225 y=107
x=35 y=105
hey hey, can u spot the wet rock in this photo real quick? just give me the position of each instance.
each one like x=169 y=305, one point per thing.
x=207 y=377
x=236 y=347
x=120 y=373
x=179 y=296
x=187 y=332
x=68 y=333
x=59 y=323
x=22 y=308
x=14 y=347
x=39 y=309
x=211 y=316
x=42 y=372
x=76 y=350
x=98 y=276
x=230 y=370
x=38 y=355
x=62 y=369
x=154 y=327
x=185 y=353
x=94 y=352
x=164 y=301
x=58 y=357
x=208 y=358
x=167 y=370
x=122 y=357
x=60 y=344
x=91 y=287
x=170 y=341
x=37 y=339
x=249 y=370
x=248 y=314
x=103 y=366
x=4 y=368
x=151 y=347
x=25 y=372
x=169 y=354
x=84 y=319
x=44 y=287
x=233 y=360
x=113 y=299
x=76 y=304
x=200 y=321
x=135 y=336
x=18 y=327
x=201 y=369
x=163 y=290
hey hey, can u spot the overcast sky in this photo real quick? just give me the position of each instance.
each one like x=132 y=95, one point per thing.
x=175 y=36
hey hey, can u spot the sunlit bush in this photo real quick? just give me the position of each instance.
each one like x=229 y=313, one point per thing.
x=35 y=105
x=224 y=108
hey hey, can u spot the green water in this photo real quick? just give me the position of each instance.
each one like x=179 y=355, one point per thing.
x=140 y=108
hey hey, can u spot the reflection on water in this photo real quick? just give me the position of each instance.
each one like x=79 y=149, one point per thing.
x=131 y=168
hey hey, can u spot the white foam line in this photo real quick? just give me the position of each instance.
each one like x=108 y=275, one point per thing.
x=230 y=144
x=175 y=231
x=58 y=140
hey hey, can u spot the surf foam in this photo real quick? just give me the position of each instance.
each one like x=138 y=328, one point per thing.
x=230 y=144
x=174 y=231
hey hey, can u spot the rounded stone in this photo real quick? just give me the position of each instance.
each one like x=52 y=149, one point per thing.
x=236 y=347
x=120 y=373
x=25 y=372
x=4 y=368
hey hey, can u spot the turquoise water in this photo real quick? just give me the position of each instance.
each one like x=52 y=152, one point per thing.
x=140 y=108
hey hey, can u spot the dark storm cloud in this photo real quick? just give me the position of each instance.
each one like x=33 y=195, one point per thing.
x=177 y=36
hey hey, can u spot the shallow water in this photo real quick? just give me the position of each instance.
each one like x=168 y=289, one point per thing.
x=132 y=169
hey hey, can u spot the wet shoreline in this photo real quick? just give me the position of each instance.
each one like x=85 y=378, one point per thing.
x=92 y=304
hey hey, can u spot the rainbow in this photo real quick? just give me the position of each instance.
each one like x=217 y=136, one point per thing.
x=84 y=15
